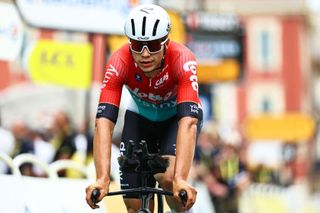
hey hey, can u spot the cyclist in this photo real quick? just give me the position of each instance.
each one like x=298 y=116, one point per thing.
x=164 y=109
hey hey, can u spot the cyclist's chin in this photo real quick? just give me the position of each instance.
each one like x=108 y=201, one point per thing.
x=147 y=69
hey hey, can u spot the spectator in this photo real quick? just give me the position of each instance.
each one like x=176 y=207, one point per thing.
x=219 y=166
x=83 y=150
x=209 y=145
x=6 y=146
x=23 y=144
x=43 y=151
x=63 y=138
x=264 y=174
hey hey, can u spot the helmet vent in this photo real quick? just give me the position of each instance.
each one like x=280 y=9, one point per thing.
x=133 y=27
x=144 y=26
x=154 y=32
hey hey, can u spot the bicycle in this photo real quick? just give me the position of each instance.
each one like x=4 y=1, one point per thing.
x=139 y=160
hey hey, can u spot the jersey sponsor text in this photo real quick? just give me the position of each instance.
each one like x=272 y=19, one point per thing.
x=192 y=66
x=151 y=96
x=110 y=72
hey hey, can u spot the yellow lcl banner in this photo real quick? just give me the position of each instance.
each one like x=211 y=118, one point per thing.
x=61 y=63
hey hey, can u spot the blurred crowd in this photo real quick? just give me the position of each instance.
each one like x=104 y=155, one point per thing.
x=220 y=162
x=60 y=140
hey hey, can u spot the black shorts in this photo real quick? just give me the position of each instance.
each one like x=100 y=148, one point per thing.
x=160 y=137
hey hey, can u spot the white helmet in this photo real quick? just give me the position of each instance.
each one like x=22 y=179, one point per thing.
x=147 y=22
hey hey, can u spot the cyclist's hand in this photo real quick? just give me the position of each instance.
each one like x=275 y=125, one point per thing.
x=180 y=185
x=103 y=189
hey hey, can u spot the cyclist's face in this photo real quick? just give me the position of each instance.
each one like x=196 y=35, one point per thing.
x=146 y=61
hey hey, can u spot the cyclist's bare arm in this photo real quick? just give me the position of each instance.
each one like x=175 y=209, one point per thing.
x=102 y=155
x=185 y=146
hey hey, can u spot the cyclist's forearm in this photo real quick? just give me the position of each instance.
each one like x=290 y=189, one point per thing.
x=102 y=148
x=185 y=146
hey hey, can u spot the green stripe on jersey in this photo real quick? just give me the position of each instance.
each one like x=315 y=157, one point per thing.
x=155 y=112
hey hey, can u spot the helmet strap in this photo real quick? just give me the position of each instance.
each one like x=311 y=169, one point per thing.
x=164 y=53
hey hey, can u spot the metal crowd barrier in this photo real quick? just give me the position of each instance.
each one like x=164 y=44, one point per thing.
x=22 y=194
x=51 y=169
x=266 y=198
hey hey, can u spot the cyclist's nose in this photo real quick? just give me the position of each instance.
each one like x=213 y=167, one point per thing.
x=145 y=52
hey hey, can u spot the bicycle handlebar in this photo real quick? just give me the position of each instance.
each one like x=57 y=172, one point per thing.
x=142 y=190
x=139 y=160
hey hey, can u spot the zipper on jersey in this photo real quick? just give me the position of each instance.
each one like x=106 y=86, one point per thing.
x=150 y=82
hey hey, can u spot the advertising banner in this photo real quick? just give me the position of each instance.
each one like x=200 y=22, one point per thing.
x=178 y=31
x=11 y=32
x=217 y=42
x=290 y=127
x=65 y=64
x=103 y=16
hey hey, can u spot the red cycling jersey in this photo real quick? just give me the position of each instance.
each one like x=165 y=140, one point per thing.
x=174 y=90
